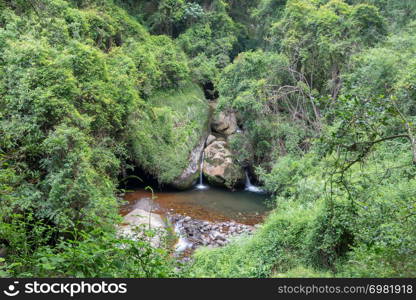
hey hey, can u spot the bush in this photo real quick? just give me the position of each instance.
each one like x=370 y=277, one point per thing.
x=277 y=247
x=93 y=253
x=72 y=73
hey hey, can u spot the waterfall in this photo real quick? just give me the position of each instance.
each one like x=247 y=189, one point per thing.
x=183 y=243
x=250 y=187
x=201 y=185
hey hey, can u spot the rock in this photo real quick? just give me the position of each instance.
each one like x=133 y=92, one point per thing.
x=146 y=204
x=195 y=233
x=224 y=123
x=221 y=243
x=218 y=236
x=190 y=175
x=141 y=218
x=219 y=167
x=210 y=139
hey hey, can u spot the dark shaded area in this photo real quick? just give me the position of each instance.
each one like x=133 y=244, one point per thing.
x=135 y=177
x=209 y=90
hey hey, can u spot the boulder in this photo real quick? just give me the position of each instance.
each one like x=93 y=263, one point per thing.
x=219 y=167
x=224 y=123
x=141 y=218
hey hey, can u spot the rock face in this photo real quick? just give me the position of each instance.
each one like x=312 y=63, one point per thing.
x=141 y=218
x=190 y=175
x=224 y=123
x=210 y=139
x=219 y=167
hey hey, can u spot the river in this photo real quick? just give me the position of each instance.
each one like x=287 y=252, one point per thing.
x=211 y=203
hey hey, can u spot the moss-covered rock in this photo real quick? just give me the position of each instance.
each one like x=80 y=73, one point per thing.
x=190 y=174
x=167 y=142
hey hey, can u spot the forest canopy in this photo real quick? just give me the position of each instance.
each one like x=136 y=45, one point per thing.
x=322 y=90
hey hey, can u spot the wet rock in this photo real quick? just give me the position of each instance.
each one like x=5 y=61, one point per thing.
x=221 y=243
x=203 y=233
x=219 y=236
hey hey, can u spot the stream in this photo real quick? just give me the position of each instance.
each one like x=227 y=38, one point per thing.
x=208 y=203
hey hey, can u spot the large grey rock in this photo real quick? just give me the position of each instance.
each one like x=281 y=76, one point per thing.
x=219 y=166
x=139 y=218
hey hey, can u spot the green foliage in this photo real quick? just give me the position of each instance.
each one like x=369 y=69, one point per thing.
x=243 y=84
x=72 y=74
x=323 y=90
x=76 y=189
x=294 y=177
x=277 y=247
x=210 y=42
x=248 y=86
x=326 y=230
x=93 y=253
x=264 y=15
x=399 y=13
x=159 y=64
x=386 y=70
x=319 y=38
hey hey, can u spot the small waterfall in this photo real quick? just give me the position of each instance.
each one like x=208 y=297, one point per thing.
x=250 y=187
x=183 y=243
x=201 y=185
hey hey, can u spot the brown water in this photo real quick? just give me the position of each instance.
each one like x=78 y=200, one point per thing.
x=211 y=204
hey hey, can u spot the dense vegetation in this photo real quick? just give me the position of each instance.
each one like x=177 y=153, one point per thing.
x=324 y=91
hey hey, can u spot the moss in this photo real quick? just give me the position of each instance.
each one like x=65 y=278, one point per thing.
x=161 y=145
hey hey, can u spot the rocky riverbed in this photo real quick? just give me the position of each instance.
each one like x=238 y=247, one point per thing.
x=194 y=233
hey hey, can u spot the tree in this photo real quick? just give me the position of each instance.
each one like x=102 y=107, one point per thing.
x=319 y=39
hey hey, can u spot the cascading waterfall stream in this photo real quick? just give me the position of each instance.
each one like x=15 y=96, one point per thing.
x=251 y=188
x=201 y=185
